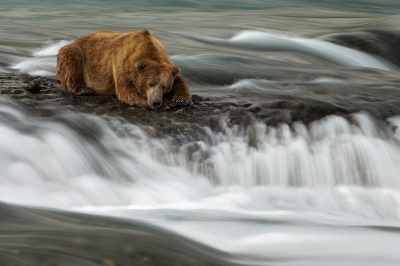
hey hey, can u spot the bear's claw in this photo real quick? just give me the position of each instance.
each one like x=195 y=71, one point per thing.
x=179 y=101
x=86 y=92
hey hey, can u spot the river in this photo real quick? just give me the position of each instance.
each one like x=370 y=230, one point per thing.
x=87 y=189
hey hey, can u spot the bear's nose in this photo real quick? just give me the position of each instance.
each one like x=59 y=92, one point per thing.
x=156 y=103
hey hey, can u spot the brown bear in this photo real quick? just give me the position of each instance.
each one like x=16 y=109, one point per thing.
x=135 y=66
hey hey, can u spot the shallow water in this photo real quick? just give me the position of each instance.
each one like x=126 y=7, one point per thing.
x=323 y=193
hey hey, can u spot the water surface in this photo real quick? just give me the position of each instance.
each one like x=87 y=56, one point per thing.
x=324 y=192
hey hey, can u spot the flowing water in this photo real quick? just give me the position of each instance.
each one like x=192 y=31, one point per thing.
x=326 y=193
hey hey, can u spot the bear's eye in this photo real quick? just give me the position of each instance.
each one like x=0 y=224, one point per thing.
x=151 y=84
x=163 y=87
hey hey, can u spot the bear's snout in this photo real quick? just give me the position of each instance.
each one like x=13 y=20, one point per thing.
x=156 y=103
x=154 y=97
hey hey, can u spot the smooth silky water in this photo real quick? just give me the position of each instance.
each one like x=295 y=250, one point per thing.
x=324 y=193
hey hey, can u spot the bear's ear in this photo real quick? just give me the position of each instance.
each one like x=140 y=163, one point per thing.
x=140 y=65
x=175 y=70
x=145 y=32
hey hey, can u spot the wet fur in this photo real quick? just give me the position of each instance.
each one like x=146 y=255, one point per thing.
x=123 y=64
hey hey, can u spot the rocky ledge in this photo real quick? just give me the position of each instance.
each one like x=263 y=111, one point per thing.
x=43 y=96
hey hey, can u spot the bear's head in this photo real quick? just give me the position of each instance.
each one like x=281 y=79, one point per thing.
x=153 y=80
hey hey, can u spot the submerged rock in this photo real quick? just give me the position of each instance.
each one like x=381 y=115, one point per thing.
x=382 y=43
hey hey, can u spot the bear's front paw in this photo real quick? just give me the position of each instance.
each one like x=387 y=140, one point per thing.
x=180 y=101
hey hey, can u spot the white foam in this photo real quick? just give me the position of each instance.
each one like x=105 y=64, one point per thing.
x=268 y=42
x=43 y=62
x=333 y=167
x=51 y=49
x=217 y=189
x=37 y=66
x=324 y=80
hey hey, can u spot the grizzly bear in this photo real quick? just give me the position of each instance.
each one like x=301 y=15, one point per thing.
x=135 y=66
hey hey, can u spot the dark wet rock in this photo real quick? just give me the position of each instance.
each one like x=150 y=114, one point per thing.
x=209 y=108
x=196 y=98
x=296 y=106
x=254 y=108
x=18 y=91
x=382 y=43
x=34 y=86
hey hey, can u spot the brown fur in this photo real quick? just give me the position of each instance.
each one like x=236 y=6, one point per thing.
x=135 y=66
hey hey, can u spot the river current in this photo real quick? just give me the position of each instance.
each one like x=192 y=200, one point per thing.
x=323 y=193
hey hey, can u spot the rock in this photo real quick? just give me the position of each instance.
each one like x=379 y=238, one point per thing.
x=33 y=87
x=210 y=107
x=196 y=98
x=254 y=108
x=296 y=106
